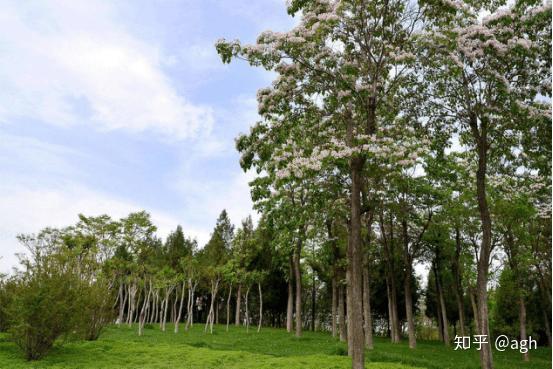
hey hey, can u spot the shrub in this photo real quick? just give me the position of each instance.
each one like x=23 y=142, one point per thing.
x=97 y=311
x=44 y=307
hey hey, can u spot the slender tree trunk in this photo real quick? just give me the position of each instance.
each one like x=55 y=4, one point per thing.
x=522 y=323
x=174 y=306
x=130 y=312
x=409 y=308
x=474 y=310
x=313 y=301
x=341 y=316
x=190 y=307
x=440 y=320
x=122 y=301
x=486 y=359
x=177 y=321
x=349 y=322
x=355 y=266
x=247 y=311
x=441 y=301
x=211 y=315
x=367 y=316
x=334 y=304
x=135 y=307
x=290 y=305
x=168 y=292
x=238 y=302
x=228 y=305
x=407 y=260
x=391 y=328
x=297 y=277
x=144 y=311
x=260 y=307
x=458 y=284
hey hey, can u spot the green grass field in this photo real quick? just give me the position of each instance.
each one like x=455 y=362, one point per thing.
x=120 y=347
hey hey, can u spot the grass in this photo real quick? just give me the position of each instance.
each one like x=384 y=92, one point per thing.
x=120 y=347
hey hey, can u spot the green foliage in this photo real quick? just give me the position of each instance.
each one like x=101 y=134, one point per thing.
x=45 y=306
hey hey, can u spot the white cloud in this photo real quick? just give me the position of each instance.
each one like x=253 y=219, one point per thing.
x=65 y=62
x=27 y=210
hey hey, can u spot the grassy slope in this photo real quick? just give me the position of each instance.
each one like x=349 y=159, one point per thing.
x=120 y=347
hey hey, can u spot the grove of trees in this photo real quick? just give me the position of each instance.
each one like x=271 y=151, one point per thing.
x=398 y=136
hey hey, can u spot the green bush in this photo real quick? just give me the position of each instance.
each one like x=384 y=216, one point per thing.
x=6 y=295
x=96 y=309
x=44 y=307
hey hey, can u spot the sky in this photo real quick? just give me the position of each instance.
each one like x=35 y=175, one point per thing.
x=109 y=107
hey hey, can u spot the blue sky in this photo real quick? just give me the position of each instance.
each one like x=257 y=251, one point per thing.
x=117 y=106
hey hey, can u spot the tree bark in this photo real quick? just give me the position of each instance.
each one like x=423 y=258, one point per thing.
x=143 y=312
x=474 y=310
x=355 y=266
x=407 y=260
x=409 y=309
x=482 y=145
x=122 y=301
x=458 y=284
x=211 y=315
x=313 y=301
x=190 y=305
x=260 y=307
x=367 y=316
x=228 y=305
x=334 y=304
x=297 y=277
x=238 y=302
x=290 y=305
x=441 y=303
x=177 y=320
x=522 y=323
x=341 y=316
x=247 y=311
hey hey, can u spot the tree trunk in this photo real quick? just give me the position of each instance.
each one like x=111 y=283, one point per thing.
x=409 y=308
x=458 y=284
x=313 y=301
x=130 y=312
x=143 y=312
x=247 y=311
x=474 y=310
x=440 y=320
x=391 y=327
x=486 y=359
x=190 y=317
x=334 y=304
x=297 y=277
x=522 y=323
x=177 y=321
x=441 y=302
x=122 y=301
x=407 y=260
x=228 y=305
x=211 y=315
x=355 y=267
x=341 y=316
x=290 y=305
x=260 y=307
x=367 y=316
x=238 y=302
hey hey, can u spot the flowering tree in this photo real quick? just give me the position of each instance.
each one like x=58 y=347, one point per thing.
x=487 y=80
x=339 y=71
